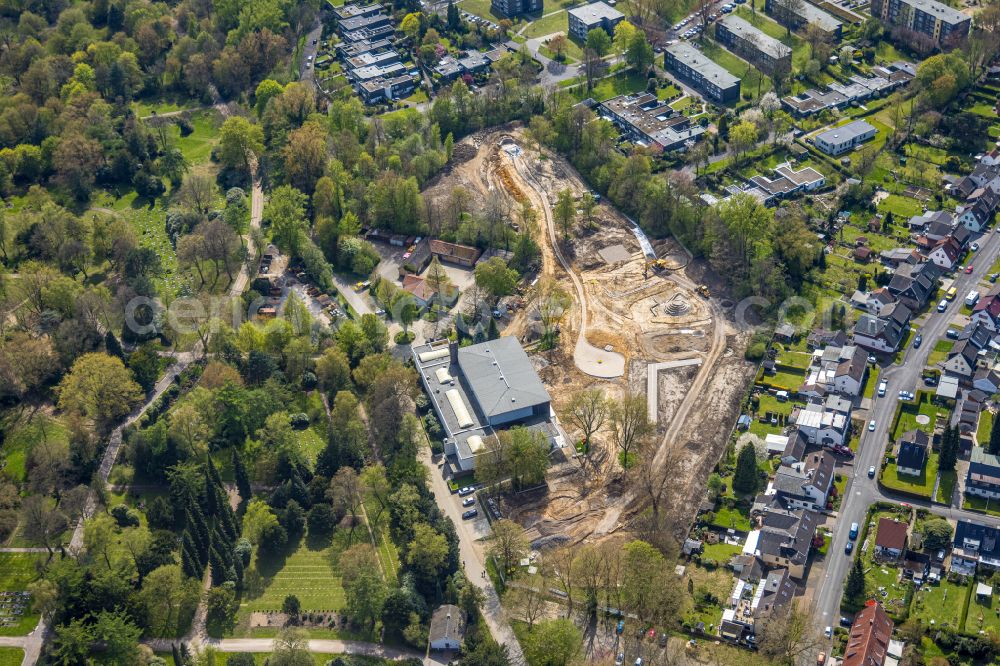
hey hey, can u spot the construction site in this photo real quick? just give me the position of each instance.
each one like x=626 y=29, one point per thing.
x=639 y=322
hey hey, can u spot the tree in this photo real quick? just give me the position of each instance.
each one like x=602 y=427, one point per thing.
x=99 y=387
x=742 y=137
x=587 y=410
x=509 y=543
x=42 y=525
x=854 y=589
x=258 y=518
x=746 y=477
x=334 y=370
x=789 y=636
x=630 y=425
x=454 y=19
x=427 y=553
x=240 y=144
x=565 y=212
x=72 y=642
x=949 y=448
x=494 y=277
x=167 y=596
x=286 y=212
x=648 y=588
x=558 y=45
x=994 y=444
x=553 y=643
x=345 y=495
x=937 y=533
x=291 y=606
x=365 y=591
x=528 y=599
x=598 y=41
x=291 y=648
x=639 y=54
x=119 y=636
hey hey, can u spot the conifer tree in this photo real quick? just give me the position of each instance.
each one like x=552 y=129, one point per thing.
x=746 y=477
x=242 y=478
x=854 y=590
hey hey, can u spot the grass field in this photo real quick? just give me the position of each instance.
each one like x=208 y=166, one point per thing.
x=10 y=656
x=16 y=571
x=164 y=104
x=308 y=572
x=942 y=603
x=983 y=615
x=479 y=8
x=546 y=25
x=919 y=485
x=612 y=86
x=197 y=146
x=909 y=412
x=731 y=518
x=24 y=436
x=985 y=427
x=946 y=486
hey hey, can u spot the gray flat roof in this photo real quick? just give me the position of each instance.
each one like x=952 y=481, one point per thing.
x=702 y=64
x=813 y=14
x=764 y=42
x=501 y=377
x=848 y=132
x=596 y=12
x=938 y=10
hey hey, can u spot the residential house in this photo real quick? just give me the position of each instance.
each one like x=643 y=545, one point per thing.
x=975 y=544
x=874 y=301
x=838 y=140
x=916 y=566
x=595 y=16
x=946 y=253
x=419 y=288
x=835 y=96
x=805 y=484
x=944 y=24
x=711 y=79
x=783 y=538
x=752 y=602
x=983 y=175
x=922 y=223
x=835 y=369
x=885 y=332
x=890 y=538
x=962 y=359
x=914 y=285
x=899 y=255
x=978 y=334
x=979 y=210
x=463 y=255
x=385 y=88
x=986 y=311
x=447 y=630
x=987 y=380
x=911 y=452
x=822 y=426
x=983 y=477
x=868 y=640
x=786 y=182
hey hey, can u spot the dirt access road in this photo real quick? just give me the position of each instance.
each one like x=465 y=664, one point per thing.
x=615 y=301
x=594 y=361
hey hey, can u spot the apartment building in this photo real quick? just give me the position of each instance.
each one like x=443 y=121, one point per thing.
x=798 y=14
x=590 y=17
x=846 y=137
x=711 y=79
x=512 y=8
x=945 y=25
x=755 y=46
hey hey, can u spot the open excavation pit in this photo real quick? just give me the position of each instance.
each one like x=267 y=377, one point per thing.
x=676 y=306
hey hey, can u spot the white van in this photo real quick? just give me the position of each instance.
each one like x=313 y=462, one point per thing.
x=972 y=298
x=943 y=305
x=881 y=389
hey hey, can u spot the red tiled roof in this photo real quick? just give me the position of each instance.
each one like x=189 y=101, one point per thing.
x=891 y=534
x=868 y=642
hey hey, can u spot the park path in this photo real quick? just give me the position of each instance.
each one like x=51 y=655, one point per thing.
x=316 y=645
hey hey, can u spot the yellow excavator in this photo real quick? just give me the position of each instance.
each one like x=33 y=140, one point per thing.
x=704 y=291
x=656 y=264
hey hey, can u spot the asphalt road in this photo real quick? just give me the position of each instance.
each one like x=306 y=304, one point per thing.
x=862 y=491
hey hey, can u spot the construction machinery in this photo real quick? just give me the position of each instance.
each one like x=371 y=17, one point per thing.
x=656 y=264
x=704 y=291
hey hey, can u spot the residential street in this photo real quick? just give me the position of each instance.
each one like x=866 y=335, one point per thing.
x=861 y=491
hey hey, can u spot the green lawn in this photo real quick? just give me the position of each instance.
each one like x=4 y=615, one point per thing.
x=720 y=552
x=800 y=360
x=479 y=8
x=942 y=603
x=162 y=104
x=24 y=436
x=308 y=572
x=731 y=518
x=946 y=487
x=900 y=206
x=546 y=25
x=983 y=615
x=197 y=146
x=10 y=656
x=789 y=380
x=612 y=86
x=981 y=504
x=985 y=427
x=940 y=351
x=919 y=485
x=16 y=571
x=908 y=412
